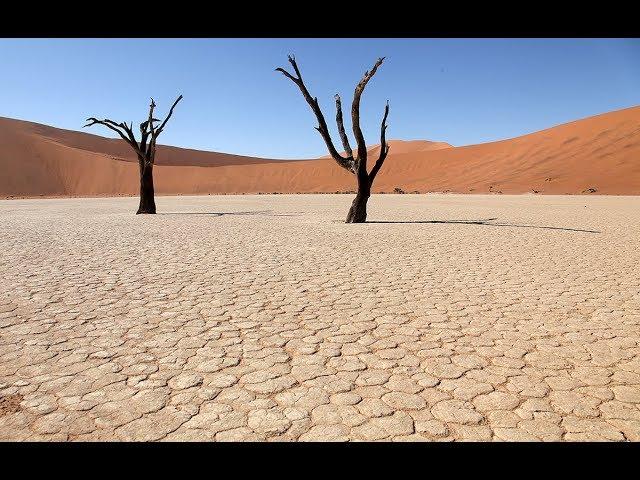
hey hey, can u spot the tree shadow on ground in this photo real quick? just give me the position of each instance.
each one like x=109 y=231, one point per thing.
x=486 y=223
x=220 y=214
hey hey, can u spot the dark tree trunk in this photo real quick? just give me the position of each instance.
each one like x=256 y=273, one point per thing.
x=147 y=200
x=358 y=211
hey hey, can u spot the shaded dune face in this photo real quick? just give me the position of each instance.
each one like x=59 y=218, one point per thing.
x=599 y=154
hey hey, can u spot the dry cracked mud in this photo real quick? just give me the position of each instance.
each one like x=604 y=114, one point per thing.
x=266 y=318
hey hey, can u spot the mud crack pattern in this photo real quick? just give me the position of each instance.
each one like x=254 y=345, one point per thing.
x=265 y=318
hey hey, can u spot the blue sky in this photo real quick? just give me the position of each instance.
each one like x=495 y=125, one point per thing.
x=462 y=91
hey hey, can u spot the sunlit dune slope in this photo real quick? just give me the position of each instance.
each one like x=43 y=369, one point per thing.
x=600 y=153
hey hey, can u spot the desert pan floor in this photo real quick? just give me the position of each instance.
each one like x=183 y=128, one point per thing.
x=265 y=317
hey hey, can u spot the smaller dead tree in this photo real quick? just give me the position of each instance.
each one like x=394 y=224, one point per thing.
x=145 y=150
x=357 y=164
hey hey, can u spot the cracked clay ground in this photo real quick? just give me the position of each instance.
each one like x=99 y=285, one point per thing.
x=276 y=321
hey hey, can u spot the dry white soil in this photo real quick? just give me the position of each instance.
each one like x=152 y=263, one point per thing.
x=266 y=317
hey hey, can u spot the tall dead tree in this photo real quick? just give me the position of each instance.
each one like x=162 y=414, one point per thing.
x=145 y=150
x=355 y=164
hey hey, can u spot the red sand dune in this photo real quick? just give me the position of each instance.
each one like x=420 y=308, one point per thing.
x=600 y=152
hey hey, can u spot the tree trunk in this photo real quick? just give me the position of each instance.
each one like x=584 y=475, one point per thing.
x=147 y=200
x=358 y=210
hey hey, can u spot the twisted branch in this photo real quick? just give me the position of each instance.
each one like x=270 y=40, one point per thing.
x=110 y=124
x=359 y=164
x=346 y=163
x=355 y=115
x=384 y=146
x=146 y=148
x=161 y=128
x=339 y=121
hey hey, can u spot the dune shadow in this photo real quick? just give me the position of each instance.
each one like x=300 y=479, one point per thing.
x=486 y=223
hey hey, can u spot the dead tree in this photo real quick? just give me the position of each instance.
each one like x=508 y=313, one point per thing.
x=358 y=164
x=145 y=150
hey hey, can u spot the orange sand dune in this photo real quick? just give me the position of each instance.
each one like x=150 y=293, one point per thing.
x=600 y=152
x=404 y=146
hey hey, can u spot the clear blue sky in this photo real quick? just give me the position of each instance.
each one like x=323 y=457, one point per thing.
x=461 y=91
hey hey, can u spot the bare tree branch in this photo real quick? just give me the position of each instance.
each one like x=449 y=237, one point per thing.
x=346 y=163
x=150 y=121
x=151 y=149
x=340 y=122
x=132 y=137
x=161 y=128
x=288 y=75
x=355 y=114
x=384 y=146
x=292 y=61
x=110 y=124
